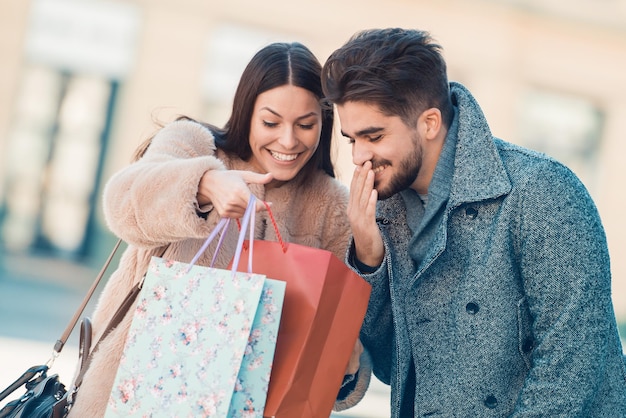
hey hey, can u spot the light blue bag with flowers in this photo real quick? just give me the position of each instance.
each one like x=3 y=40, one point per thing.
x=202 y=340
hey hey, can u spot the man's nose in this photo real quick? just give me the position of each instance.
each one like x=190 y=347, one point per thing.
x=360 y=153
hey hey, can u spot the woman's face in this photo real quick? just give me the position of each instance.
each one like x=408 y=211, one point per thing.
x=284 y=131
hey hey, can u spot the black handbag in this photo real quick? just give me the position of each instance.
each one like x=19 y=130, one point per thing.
x=46 y=396
x=43 y=393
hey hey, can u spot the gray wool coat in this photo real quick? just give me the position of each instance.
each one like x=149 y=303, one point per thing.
x=509 y=313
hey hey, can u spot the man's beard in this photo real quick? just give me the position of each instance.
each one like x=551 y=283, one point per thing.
x=409 y=168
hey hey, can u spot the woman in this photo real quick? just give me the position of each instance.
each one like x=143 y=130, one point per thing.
x=276 y=145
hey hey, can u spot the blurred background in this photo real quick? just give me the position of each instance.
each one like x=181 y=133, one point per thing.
x=83 y=82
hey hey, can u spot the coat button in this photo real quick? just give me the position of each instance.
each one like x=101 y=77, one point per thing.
x=472 y=308
x=471 y=212
x=491 y=402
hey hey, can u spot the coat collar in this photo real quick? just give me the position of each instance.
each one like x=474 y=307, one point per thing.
x=479 y=171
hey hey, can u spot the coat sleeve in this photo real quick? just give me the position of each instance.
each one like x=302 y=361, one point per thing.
x=153 y=202
x=564 y=264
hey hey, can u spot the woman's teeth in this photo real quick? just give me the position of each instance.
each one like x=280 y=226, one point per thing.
x=283 y=157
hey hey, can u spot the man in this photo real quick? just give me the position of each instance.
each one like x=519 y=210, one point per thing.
x=491 y=293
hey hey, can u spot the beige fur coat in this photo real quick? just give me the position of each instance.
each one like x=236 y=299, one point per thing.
x=152 y=203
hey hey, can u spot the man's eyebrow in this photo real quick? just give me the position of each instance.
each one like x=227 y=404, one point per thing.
x=363 y=132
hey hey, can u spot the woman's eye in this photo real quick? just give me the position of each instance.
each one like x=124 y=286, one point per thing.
x=306 y=126
x=269 y=124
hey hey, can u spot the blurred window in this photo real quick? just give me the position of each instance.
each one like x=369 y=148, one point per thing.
x=94 y=37
x=75 y=54
x=53 y=159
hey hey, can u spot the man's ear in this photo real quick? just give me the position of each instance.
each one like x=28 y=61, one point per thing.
x=430 y=123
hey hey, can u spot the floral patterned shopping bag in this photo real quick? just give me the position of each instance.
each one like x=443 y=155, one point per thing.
x=202 y=340
x=186 y=343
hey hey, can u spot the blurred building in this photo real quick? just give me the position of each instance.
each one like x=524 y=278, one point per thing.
x=83 y=82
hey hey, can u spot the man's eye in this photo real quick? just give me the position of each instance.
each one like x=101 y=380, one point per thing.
x=270 y=124
x=375 y=138
x=350 y=140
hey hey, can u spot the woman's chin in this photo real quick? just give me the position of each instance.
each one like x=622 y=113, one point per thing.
x=284 y=172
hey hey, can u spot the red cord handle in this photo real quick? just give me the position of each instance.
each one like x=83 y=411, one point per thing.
x=274 y=224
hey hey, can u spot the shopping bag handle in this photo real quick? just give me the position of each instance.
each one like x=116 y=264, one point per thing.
x=278 y=236
x=221 y=225
x=248 y=219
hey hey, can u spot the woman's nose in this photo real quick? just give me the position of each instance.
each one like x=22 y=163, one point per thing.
x=288 y=139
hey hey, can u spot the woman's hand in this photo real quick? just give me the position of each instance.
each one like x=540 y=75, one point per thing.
x=228 y=191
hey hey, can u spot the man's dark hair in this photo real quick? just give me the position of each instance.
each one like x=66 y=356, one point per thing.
x=402 y=71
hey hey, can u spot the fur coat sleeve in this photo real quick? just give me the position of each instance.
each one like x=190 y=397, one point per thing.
x=153 y=201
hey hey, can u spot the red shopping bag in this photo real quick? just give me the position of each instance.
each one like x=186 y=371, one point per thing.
x=324 y=307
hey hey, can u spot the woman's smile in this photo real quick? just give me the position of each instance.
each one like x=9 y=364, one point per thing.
x=283 y=157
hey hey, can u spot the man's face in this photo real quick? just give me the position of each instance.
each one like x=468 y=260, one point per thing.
x=394 y=148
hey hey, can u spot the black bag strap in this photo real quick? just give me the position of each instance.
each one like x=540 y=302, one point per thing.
x=86 y=352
